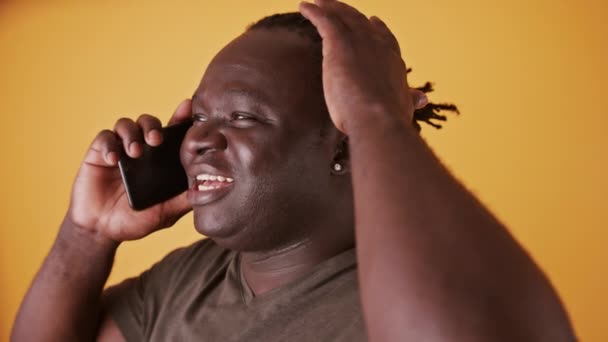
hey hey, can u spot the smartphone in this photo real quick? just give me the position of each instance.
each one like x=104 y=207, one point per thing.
x=157 y=175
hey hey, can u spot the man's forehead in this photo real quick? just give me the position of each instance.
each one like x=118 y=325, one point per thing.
x=272 y=67
x=245 y=68
x=234 y=90
x=266 y=51
x=233 y=70
x=238 y=79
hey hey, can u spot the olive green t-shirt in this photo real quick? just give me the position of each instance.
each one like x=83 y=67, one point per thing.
x=197 y=293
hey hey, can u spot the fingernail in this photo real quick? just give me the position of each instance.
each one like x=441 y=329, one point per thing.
x=155 y=137
x=112 y=158
x=305 y=4
x=182 y=104
x=134 y=148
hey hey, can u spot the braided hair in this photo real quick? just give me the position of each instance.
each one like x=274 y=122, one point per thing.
x=297 y=23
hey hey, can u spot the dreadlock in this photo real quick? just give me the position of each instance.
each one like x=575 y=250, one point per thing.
x=297 y=23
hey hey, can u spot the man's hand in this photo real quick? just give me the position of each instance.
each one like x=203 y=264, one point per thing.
x=99 y=203
x=363 y=73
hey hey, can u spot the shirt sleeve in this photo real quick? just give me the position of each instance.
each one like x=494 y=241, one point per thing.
x=134 y=304
x=124 y=303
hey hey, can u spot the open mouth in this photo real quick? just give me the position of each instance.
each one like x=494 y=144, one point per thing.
x=208 y=182
x=208 y=188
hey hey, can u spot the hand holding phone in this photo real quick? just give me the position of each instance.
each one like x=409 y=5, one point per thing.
x=100 y=204
x=157 y=174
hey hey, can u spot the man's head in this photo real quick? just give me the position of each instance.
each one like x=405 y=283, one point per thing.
x=260 y=119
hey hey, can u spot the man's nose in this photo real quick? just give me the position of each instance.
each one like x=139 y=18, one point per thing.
x=207 y=137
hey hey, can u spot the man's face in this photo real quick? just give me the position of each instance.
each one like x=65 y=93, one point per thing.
x=259 y=121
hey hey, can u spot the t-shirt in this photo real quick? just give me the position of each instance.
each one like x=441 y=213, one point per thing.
x=198 y=293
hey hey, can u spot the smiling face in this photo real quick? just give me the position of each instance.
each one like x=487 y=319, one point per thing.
x=261 y=125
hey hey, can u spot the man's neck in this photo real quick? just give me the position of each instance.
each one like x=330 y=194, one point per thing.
x=264 y=272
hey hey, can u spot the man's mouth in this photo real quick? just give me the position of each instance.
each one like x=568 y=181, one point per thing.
x=207 y=188
x=207 y=182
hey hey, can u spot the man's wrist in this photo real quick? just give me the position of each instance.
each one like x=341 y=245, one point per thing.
x=87 y=240
x=378 y=119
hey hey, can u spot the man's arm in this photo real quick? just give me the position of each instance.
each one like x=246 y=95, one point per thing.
x=64 y=302
x=434 y=264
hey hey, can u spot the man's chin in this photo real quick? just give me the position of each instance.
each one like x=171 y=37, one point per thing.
x=235 y=239
x=236 y=233
x=213 y=232
x=225 y=236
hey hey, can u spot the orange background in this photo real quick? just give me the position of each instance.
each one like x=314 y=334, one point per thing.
x=529 y=77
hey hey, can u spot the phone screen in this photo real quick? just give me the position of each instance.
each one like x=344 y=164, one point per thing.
x=157 y=175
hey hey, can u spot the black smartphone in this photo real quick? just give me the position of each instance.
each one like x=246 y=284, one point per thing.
x=157 y=175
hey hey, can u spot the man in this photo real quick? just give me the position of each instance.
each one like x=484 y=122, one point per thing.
x=283 y=195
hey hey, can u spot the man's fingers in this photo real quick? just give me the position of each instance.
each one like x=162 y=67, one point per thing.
x=105 y=150
x=341 y=9
x=131 y=135
x=328 y=25
x=151 y=127
x=182 y=113
x=336 y=19
x=382 y=29
x=176 y=207
x=350 y=15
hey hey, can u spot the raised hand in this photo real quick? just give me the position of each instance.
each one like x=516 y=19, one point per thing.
x=363 y=73
x=99 y=203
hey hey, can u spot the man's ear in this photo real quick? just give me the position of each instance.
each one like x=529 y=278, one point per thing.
x=341 y=160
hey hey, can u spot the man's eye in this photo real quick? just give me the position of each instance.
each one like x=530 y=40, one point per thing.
x=199 y=117
x=242 y=117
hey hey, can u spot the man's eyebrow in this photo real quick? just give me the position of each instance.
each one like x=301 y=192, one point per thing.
x=254 y=95
x=243 y=92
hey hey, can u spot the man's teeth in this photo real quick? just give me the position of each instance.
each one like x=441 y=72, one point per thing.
x=205 y=176
x=205 y=187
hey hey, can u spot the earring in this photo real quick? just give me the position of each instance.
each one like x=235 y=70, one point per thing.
x=337 y=167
